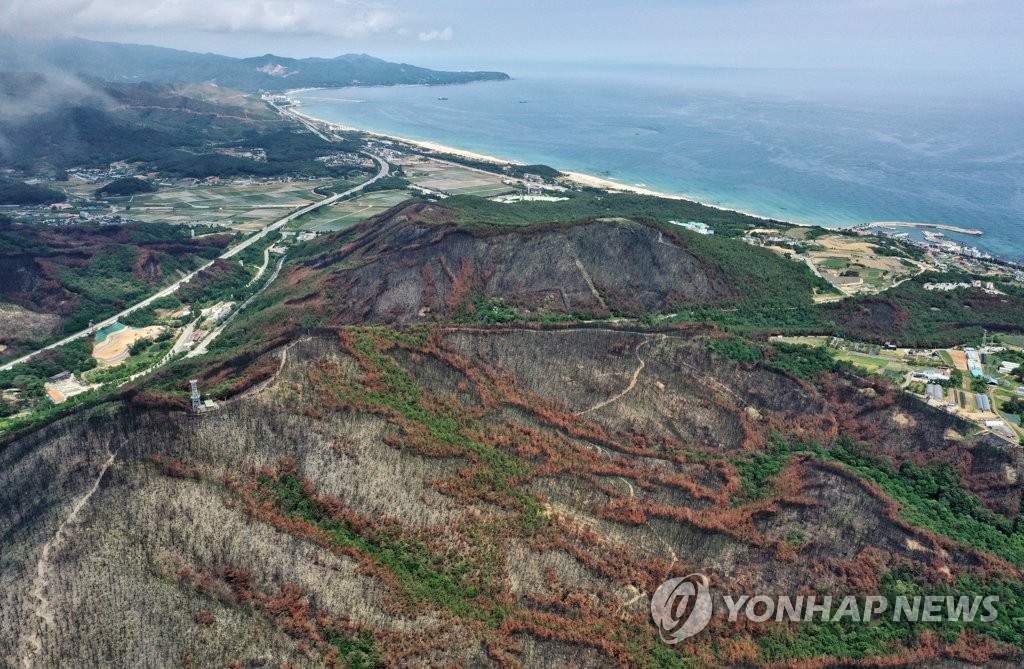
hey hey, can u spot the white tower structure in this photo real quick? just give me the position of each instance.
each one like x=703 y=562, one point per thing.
x=197 y=402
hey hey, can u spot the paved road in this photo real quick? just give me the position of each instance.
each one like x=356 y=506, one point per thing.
x=201 y=348
x=233 y=251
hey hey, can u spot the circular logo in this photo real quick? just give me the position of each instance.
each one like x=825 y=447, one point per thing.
x=681 y=607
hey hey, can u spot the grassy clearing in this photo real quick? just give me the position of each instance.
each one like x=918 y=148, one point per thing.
x=873 y=364
x=805 y=341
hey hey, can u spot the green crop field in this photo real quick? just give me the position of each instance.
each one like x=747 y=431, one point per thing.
x=350 y=212
x=835 y=263
x=242 y=206
x=455 y=180
x=873 y=364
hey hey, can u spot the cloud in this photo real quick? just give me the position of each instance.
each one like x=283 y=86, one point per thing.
x=29 y=18
x=26 y=95
x=331 y=18
x=444 y=35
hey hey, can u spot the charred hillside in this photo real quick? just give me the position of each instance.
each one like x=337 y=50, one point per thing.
x=84 y=272
x=457 y=496
x=416 y=264
x=425 y=262
x=388 y=481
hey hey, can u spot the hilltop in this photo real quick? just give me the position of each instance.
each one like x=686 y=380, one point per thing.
x=592 y=269
x=430 y=262
x=53 y=124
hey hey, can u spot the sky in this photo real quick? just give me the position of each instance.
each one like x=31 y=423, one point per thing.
x=851 y=34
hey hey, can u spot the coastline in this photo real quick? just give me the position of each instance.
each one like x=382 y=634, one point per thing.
x=583 y=167
x=579 y=178
x=589 y=180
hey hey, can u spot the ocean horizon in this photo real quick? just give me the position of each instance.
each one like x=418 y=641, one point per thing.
x=836 y=149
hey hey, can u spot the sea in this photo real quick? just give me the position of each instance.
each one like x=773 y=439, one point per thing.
x=836 y=148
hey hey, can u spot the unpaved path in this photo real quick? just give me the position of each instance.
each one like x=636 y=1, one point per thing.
x=632 y=381
x=41 y=610
x=586 y=276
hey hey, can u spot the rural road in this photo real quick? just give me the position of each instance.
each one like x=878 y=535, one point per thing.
x=202 y=347
x=233 y=251
x=262 y=269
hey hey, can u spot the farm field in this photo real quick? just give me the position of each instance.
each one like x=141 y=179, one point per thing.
x=852 y=265
x=959 y=358
x=873 y=364
x=999 y=398
x=805 y=340
x=347 y=213
x=452 y=179
x=242 y=207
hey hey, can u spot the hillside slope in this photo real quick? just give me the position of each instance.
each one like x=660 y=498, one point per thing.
x=390 y=482
x=417 y=265
x=51 y=124
x=83 y=273
x=488 y=499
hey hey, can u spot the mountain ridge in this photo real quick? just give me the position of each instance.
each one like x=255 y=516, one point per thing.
x=117 y=62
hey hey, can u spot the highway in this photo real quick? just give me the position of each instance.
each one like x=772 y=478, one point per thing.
x=231 y=252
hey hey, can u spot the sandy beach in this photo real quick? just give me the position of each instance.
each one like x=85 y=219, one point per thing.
x=430 y=146
x=578 y=178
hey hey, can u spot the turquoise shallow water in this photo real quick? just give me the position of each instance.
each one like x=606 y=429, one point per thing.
x=835 y=149
x=101 y=335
